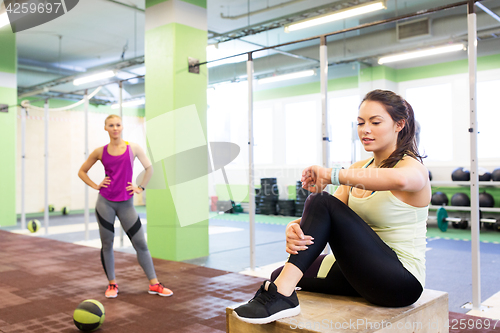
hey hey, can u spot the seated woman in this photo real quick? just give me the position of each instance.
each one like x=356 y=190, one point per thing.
x=375 y=223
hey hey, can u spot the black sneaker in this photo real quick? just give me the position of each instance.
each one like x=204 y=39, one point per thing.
x=268 y=305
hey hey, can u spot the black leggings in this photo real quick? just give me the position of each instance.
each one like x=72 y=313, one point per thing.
x=365 y=265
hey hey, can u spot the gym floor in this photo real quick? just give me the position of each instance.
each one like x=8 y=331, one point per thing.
x=448 y=268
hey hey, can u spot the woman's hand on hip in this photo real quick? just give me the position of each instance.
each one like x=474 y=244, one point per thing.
x=133 y=189
x=296 y=240
x=106 y=181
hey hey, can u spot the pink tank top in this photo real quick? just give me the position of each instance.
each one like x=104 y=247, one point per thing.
x=119 y=170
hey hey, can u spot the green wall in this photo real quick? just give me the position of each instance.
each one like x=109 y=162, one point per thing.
x=8 y=126
x=169 y=87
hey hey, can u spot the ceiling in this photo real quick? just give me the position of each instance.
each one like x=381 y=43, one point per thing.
x=99 y=34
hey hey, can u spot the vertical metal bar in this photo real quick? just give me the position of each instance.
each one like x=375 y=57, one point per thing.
x=323 y=60
x=86 y=152
x=46 y=203
x=23 y=167
x=251 y=188
x=323 y=77
x=474 y=178
x=120 y=101
x=121 y=116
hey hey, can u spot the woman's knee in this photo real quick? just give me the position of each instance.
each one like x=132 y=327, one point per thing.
x=107 y=245
x=140 y=245
x=322 y=199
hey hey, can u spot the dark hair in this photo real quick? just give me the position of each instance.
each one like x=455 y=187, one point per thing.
x=399 y=109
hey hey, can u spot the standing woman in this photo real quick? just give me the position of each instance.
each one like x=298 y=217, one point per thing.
x=375 y=222
x=116 y=199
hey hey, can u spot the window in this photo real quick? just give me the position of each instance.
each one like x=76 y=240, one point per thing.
x=432 y=108
x=342 y=113
x=227 y=117
x=488 y=116
x=263 y=136
x=302 y=133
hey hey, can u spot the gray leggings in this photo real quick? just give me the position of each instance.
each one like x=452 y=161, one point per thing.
x=105 y=212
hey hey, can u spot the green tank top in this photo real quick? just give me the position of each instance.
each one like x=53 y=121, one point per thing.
x=401 y=226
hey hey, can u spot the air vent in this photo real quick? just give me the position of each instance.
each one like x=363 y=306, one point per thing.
x=413 y=30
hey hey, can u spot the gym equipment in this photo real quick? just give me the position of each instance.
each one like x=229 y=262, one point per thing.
x=89 y=315
x=439 y=199
x=486 y=200
x=286 y=207
x=65 y=210
x=460 y=199
x=495 y=175
x=34 y=225
x=460 y=223
x=443 y=219
x=300 y=198
x=484 y=175
x=51 y=208
x=460 y=174
x=268 y=197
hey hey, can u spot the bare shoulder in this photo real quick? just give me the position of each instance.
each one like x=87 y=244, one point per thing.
x=97 y=153
x=134 y=146
x=359 y=164
x=411 y=162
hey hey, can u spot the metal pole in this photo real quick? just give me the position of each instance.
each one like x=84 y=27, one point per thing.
x=46 y=211
x=474 y=189
x=86 y=152
x=323 y=61
x=23 y=169
x=121 y=116
x=251 y=194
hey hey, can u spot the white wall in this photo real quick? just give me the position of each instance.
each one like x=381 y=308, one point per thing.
x=66 y=155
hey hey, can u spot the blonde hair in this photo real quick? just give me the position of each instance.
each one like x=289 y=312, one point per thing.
x=111 y=116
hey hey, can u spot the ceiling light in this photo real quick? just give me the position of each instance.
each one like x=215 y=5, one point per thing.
x=338 y=15
x=95 y=77
x=4 y=20
x=134 y=102
x=211 y=47
x=422 y=53
x=290 y=76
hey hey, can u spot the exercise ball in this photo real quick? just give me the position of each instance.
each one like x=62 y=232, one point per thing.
x=89 y=315
x=460 y=174
x=439 y=199
x=495 y=175
x=484 y=175
x=486 y=200
x=34 y=225
x=65 y=210
x=460 y=199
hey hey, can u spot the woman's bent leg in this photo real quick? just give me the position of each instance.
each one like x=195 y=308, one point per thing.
x=370 y=266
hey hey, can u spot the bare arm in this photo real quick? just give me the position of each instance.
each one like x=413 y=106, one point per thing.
x=84 y=169
x=409 y=176
x=146 y=163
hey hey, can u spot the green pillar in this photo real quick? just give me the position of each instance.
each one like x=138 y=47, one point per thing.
x=8 y=125
x=177 y=197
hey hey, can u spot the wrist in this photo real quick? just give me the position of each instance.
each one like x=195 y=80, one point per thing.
x=141 y=187
x=335 y=175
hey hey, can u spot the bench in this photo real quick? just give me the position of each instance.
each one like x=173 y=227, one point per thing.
x=329 y=313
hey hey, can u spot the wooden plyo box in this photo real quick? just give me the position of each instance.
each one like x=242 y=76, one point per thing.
x=329 y=313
